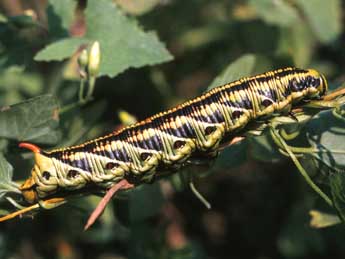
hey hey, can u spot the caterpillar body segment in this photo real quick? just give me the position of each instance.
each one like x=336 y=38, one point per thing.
x=165 y=141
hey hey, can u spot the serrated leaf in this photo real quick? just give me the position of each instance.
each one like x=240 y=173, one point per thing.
x=33 y=120
x=60 y=17
x=276 y=12
x=241 y=67
x=326 y=133
x=60 y=50
x=324 y=18
x=6 y=173
x=123 y=43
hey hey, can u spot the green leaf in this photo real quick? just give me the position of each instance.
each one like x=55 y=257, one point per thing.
x=145 y=201
x=232 y=156
x=60 y=50
x=3 y=18
x=241 y=67
x=6 y=173
x=325 y=133
x=22 y=21
x=298 y=42
x=138 y=7
x=15 y=48
x=33 y=120
x=14 y=81
x=337 y=183
x=14 y=78
x=123 y=43
x=324 y=18
x=276 y=12
x=192 y=250
x=60 y=17
x=264 y=149
x=296 y=239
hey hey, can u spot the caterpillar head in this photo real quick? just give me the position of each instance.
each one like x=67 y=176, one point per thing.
x=312 y=85
x=316 y=83
x=43 y=180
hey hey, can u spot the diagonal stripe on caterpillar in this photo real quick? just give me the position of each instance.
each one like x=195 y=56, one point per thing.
x=165 y=141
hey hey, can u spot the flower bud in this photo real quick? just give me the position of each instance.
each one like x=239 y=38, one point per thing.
x=83 y=59
x=94 y=59
x=126 y=118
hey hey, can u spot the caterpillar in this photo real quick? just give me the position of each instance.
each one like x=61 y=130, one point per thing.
x=168 y=140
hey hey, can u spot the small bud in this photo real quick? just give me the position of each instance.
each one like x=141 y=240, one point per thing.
x=31 y=13
x=83 y=59
x=126 y=118
x=321 y=220
x=94 y=59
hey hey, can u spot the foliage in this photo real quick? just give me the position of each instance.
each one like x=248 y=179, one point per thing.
x=34 y=120
x=260 y=203
x=118 y=35
x=6 y=173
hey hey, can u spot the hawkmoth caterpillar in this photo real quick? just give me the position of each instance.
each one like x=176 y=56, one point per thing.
x=168 y=140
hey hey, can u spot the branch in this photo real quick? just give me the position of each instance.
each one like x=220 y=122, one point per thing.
x=122 y=185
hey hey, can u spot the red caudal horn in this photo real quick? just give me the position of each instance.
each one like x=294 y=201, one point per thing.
x=31 y=147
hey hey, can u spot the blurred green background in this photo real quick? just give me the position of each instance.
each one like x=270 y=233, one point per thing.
x=155 y=54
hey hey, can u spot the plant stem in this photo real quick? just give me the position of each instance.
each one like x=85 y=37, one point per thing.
x=281 y=143
x=199 y=196
x=81 y=90
x=91 y=84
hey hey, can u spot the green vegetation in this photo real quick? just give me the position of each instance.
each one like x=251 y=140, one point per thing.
x=155 y=54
